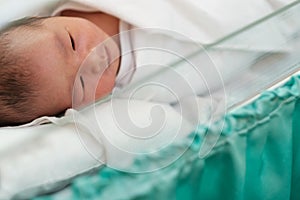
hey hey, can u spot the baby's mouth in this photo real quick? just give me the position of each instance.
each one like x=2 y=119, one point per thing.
x=99 y=59
x=108 y=56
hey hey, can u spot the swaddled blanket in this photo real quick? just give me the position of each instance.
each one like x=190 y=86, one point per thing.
x=204 y=21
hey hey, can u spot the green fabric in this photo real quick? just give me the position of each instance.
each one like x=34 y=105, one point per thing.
x=256 y=157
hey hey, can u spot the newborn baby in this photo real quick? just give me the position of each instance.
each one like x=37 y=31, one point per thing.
x=40 y=58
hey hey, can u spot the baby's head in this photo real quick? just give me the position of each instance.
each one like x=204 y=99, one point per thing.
x=39 y=61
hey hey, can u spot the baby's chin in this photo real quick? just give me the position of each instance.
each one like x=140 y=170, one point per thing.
x=107 y=82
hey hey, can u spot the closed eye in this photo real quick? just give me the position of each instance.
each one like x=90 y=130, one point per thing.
x=82 y=82
x=72 y=42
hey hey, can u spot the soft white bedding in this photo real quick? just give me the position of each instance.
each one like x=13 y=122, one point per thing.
x=44 y=157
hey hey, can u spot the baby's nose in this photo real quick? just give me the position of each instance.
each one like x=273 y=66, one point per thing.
x=96 y=61
x=100 y=63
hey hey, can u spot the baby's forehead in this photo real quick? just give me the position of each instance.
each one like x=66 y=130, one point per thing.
x=29 y=22
x=25 y=30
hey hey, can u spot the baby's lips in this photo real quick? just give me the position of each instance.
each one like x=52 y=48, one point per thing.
x=95 y=62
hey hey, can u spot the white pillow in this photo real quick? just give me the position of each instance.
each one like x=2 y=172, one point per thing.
x=41 y=158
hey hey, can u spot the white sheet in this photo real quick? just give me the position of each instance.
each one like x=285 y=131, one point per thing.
x=204 y=21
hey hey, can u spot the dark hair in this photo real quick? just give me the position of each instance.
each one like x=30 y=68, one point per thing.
x=16 y=85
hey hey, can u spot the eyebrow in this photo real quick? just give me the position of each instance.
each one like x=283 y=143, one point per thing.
x=26 y=22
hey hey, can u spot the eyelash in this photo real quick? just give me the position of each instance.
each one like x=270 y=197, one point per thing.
x=82 y=82
x=72 y=42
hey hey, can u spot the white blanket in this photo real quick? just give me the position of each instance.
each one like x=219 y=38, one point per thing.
x=204 y=21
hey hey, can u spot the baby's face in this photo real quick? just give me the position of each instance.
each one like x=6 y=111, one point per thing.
x=57 y=50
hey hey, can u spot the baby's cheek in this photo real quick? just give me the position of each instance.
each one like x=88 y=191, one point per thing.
x=105 y=85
